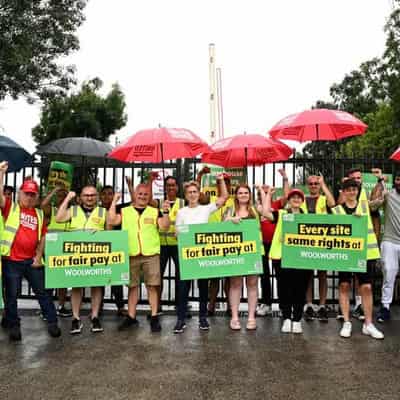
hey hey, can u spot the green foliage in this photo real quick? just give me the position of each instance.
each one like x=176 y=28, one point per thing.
x=85 y=113
x=372 y=93
x=33 y=36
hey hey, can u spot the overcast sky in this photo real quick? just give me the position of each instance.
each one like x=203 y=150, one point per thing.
x=277 y=57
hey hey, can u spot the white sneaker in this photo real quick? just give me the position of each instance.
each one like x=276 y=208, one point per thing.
x=286 y=326
x=263 y=310
x=346 y=330
x=296 y=327
x=371 y=330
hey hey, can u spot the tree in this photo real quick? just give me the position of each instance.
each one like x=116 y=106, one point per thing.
x=33 y=36
x=85 y=113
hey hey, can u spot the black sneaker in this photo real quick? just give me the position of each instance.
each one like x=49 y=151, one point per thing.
x=127 y=323
x=340 y=316
x=54 y=330
x=155 y=324
x=15 y=333
x=211 y=313
x=358 y=313
x=63 y=312
x=76 y=326
x=96 y=325
x=309 y=314
x=180 y=326
x=383 y=314
x=322 y=314
x=203 y=324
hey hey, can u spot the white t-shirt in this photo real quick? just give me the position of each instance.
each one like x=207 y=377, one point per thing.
x=194 y=215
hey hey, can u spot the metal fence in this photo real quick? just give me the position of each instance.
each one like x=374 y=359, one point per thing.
x=106 y=172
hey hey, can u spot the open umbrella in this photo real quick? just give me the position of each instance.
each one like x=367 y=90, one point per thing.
x=76 y=146
x=158 y=145
x=318 y=124
x=243 y=150
x=396 y=155
x=16 y=156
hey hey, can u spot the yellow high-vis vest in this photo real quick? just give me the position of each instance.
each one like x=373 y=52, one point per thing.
x=54 y=226
x=219 y=215
x=11 y=227
x=143 y=236
x=168 y=237
x=95 y=222
x=373 y=252
x=320 y=206
x=275 y=252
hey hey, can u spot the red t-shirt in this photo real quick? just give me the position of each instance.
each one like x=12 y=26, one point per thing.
x=26 y=239
x=267 y=226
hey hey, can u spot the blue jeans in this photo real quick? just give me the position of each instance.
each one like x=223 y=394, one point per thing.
x=13 y=272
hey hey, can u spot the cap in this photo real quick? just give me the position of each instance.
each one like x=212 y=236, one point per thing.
x=29 y=186
x=296 y=191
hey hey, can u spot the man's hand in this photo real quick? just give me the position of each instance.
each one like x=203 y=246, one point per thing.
x=205 y=170
x=37 y=262
x=117 y=197
x=4 y=166
x=321 y=179
x=282 y=172
x=166 y=207
x=71 y=195
x=153 y=176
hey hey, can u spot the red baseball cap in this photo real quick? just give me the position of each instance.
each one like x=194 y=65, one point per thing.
x=29 y=186
x=294 y=192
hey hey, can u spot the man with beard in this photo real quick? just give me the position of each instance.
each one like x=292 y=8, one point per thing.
x=390 y=246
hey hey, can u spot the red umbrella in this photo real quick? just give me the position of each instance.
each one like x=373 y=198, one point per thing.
x=396 y=155
x=318 y=124
x=158 y=145
x=243 y=150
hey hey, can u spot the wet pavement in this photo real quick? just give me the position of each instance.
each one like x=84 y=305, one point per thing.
x=219 y=364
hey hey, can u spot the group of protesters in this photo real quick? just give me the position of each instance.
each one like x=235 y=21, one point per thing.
x=153 y=227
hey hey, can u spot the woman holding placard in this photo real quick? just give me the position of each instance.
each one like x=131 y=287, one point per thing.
x=292 y=282
x=243 y=209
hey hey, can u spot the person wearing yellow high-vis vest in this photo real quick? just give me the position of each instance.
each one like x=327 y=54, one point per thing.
x=354 y=206
x=317 y=203
x=21 y=245
x=292 y=282
x=142 y=223
x=50 y=213
x=168 y=240
x=87 y=216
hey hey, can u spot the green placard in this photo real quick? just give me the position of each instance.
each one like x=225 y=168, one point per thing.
x=369 y=182
x=86 y=259
x=218 y=250
x=324 y=242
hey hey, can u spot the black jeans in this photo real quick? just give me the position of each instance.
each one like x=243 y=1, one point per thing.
x=166 y=254
x=184 y=287
x=292 y=292
x=13 y=272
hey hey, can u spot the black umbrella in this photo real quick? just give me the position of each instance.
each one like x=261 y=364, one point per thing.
x=16 y=156
x=76 y=146
x=84 y=148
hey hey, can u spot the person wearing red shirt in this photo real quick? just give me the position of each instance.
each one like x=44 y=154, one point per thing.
x=22 y=244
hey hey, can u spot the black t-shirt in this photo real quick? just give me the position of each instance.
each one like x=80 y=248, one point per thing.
x=311 y=203
x=140 y=211
x=349 y=210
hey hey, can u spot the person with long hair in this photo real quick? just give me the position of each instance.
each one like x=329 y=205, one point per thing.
x=243 y=209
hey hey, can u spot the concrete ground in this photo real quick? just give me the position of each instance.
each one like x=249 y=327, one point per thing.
x=219 y=364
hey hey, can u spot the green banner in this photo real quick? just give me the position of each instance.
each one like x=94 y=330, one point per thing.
x=86 y=259
x=324 y=242
x=369 y=181
x=219 y=250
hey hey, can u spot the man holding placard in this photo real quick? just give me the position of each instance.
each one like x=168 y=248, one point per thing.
x=84 y=217
x=142 y=223
x=353 y=205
